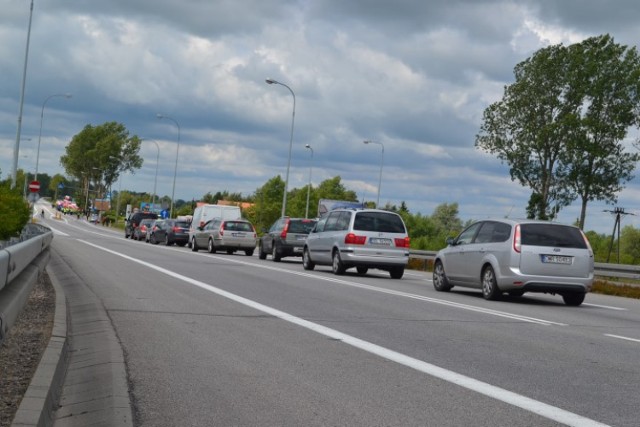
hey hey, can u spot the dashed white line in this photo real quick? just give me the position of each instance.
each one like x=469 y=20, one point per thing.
x=622 y=338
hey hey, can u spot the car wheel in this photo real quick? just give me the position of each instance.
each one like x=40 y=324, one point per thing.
x=396 y=272
x=261 y=253
x=275 y=255
x=211 y=247
x=248 y=252
x=337 y=265
x=307 y=264
x=194 y=245
x=490 y=290
x=362 y=270
x=440 y=281
x=573 y=299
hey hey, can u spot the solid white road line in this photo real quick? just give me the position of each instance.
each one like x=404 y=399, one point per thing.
x=622 y=338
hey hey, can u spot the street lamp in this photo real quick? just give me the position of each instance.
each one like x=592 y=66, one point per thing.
x=65 y=95
x=293 y=116
x=155 y=180
x=306 y=212
x=175 y=170
x=381 y=162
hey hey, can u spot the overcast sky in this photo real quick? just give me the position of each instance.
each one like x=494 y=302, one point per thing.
x=413 y=75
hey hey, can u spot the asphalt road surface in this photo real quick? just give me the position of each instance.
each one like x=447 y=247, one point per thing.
x=217 y=339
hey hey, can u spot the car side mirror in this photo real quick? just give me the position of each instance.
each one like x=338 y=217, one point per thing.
x=451 y=241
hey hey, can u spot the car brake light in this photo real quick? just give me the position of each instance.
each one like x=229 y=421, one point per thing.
x=222 y=229
x=352 y=239
x=517 y=240
x=176 y=229
x=403 y=242
x=586 y=241
x=283 y=234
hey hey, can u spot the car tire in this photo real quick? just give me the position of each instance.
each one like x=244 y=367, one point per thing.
x=261 y=253
x=275 y=255
x=307 y=264
x=248 y=252
x=573 y=299
x=211 y=247
x=490 y=290
x=362 y=270
x=396 y=272
x=440 y=281
x=194 y=245
x=336 y=265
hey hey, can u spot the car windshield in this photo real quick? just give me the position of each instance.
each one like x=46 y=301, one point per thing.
x=237 y=226
x=378 y=221
x=552 y=235
x=302 y=226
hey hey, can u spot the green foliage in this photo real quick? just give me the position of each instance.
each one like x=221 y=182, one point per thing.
x=14 y=212
x=560 y=125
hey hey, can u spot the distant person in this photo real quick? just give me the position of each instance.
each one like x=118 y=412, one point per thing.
x=42 y=213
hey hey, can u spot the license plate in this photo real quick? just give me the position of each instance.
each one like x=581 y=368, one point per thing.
x=303 y=237
x=238 y=234
x=556 y=259
x=378 y=241
x=297 y=249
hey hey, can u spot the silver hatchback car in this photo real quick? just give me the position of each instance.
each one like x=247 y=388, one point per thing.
x=517 y=256
x=360 y=238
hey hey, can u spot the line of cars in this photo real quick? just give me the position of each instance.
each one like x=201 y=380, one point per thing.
x=496 y=256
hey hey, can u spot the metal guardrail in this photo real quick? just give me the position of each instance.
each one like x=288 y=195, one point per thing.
x=21 y=263
x=601 y=269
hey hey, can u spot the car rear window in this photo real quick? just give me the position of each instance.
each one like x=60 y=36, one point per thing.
x=302 y=226
x=181 y=224
x=552 y=235
x=378 y=221
x=237 y=226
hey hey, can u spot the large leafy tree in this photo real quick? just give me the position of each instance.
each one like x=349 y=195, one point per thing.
x=559 y=126
x=100 y=153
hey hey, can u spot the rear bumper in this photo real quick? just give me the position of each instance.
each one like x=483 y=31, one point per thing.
x=351 y=258
x=557 y=285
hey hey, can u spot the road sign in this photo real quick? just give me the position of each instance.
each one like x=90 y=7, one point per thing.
x=34 y=186
x=61 y=186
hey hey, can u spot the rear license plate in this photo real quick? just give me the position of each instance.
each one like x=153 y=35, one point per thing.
x=556 y=259
x=238 y=234
x=303 y=237
x=378 y=241
x=297 y=249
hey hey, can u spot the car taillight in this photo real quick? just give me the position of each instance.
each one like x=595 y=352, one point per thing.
x=517 y=239
x=283 y=234
x=352 y=239
x=222 y=229
x=586 y=241
x=176 y=229
x=403 y=243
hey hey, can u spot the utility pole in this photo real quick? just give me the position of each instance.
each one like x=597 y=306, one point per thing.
x=619 y=212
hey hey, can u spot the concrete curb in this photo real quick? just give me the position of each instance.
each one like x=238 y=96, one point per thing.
x=40 y=400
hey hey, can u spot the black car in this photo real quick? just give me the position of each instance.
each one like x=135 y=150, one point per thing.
x=170 y=231
x=134 y=221
x=286 y=237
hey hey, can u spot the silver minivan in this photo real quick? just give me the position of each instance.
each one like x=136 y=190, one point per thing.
x=360 y=238
x=517 y=256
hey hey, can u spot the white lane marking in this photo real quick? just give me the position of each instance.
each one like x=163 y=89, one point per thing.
x=397 y=293
x=604 y=306
x=622 y=338
x=56 y=231
x=509 y=397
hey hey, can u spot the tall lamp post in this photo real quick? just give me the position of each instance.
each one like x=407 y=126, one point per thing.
x=306 y=212
x=155 y=180
x=175 y=170
x=65 y=95
x=16 y=148
x=381 y=162
x=293 y=116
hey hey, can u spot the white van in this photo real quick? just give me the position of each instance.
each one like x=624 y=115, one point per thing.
x=204 y=213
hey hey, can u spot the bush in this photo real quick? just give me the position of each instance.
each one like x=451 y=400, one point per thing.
x=14 y=212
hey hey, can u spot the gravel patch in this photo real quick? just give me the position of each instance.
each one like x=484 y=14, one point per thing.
x=22 y=349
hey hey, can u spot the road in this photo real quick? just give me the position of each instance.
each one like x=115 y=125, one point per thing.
x=217 y=339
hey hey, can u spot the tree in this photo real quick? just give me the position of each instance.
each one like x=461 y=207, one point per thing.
x=559 y=125
x=606 y=90
x=100 y=153
x=14 y=211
